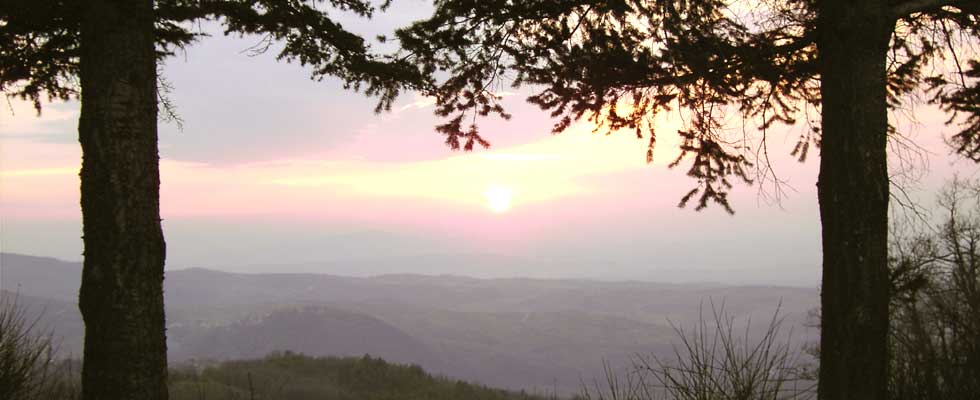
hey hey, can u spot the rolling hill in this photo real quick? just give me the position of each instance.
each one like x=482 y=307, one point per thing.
x=513 y=333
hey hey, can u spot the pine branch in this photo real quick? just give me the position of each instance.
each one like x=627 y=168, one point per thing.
x=917 y=6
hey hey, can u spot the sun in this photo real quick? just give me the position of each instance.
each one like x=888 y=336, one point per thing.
x=498 y=198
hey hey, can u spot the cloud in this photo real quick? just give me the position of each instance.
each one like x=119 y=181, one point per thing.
x=57 y=123
x=420 y=102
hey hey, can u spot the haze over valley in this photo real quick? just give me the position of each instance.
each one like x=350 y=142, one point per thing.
x=519 y=333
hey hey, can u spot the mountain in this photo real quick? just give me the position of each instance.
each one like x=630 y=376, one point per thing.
x=311 y=330
x=513 y=333
x=40 y=276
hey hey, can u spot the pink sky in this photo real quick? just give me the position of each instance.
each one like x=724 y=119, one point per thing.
x=294 y=164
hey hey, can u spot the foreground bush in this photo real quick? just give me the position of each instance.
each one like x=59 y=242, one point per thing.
x=28 y=370
x=716 y=361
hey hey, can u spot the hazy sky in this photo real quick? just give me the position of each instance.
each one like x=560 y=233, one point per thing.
x=275 y=172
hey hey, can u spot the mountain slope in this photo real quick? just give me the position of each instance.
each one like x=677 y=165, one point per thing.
x=311 y=330
x=513 y=333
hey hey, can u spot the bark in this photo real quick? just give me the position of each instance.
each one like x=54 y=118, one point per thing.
x=121 y=297
x=853 y=195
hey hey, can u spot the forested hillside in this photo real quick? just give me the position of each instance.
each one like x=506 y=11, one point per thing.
x=292 y=376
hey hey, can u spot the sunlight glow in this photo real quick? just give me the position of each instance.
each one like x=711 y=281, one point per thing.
x=544 y=170
x=498 y=198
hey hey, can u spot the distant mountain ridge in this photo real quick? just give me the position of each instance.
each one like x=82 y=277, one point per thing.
x=515 y=333
x=312 y=330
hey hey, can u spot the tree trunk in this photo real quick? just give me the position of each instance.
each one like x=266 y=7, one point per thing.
x=853 y=196
x=121 y=297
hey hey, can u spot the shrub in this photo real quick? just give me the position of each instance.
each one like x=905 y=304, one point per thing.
x=715 y=362
x=25 y=358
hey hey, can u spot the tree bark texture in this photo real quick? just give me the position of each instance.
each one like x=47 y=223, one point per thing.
x=853 y=194
x=121 y=297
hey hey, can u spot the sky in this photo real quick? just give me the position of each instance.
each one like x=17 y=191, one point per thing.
x=274 y=172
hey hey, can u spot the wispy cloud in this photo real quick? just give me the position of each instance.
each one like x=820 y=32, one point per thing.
x=19 y=119
x=419 y=103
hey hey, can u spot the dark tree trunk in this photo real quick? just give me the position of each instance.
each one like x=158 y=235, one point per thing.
x=853 y=196
x=121 y=297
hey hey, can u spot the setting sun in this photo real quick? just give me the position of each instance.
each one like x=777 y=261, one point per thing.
x=498 y=198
